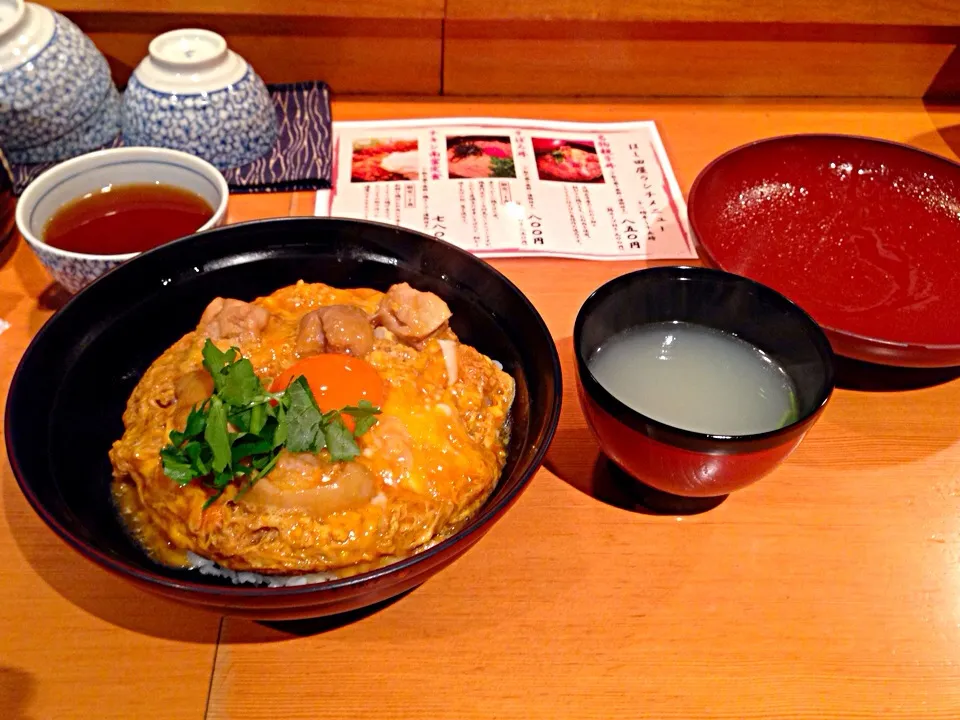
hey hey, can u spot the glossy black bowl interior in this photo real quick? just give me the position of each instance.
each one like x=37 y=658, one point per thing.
x=715 y=299
x=69 y=392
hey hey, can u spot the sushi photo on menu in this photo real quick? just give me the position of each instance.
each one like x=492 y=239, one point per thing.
x=385 y=160
x=480 y=156
x=567 y=160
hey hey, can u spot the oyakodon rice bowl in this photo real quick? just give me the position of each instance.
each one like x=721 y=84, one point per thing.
x=313 y=433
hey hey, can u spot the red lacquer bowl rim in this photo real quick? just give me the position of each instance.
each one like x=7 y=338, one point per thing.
x=708 y=257
x=689 y=439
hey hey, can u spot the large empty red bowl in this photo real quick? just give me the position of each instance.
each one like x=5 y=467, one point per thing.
x=863 y=234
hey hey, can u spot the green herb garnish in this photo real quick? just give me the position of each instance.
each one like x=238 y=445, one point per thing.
x=502 y=167
x=791 y=414
x=238 y=433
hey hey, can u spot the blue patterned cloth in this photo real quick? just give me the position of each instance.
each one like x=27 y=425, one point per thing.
x=301 y=158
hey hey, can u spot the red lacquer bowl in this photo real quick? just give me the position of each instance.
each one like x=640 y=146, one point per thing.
x=679 y=461
x=864 y=234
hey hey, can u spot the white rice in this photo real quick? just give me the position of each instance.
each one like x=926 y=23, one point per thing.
x=209 y=567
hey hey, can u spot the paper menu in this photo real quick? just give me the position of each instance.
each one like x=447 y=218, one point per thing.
x=509 y=187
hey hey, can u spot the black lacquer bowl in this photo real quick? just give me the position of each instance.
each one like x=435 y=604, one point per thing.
x=68 y=394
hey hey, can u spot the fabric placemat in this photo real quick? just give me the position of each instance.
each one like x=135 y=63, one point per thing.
x=301 y=159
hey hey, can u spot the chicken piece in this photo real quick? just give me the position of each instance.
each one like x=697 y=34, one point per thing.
x=229 y=318
x=412 y=315
x=311 y=340
x=390 y=448
x=191 y=390
x=303 y=482
x=336 y=329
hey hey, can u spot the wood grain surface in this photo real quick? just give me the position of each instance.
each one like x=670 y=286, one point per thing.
x=713 y=48
x=369 y=9
x=349 y=54
x=571 y=62
x=866 y=12
x=827 y=590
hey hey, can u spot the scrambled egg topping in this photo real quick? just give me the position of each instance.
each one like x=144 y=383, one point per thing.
x=424 y=468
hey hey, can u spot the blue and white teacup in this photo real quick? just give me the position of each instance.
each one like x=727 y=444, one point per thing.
x=194 y=94
x=94 y=171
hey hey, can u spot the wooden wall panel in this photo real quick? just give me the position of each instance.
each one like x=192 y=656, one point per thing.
x=384 y=9
x=610 y=67
x=869 y=12
x=799 y=48
x=396 y=57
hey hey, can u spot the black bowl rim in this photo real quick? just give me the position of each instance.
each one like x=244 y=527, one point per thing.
x=681 y=437
x=487 y=514
x=706 y=255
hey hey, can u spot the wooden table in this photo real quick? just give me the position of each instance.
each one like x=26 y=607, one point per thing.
x=829 y=589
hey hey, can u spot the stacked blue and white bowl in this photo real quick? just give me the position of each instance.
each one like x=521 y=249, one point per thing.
x=57 y=98
x=192 y=93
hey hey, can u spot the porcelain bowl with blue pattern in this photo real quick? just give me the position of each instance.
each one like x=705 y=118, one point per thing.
x=99 y=130
x=94 y=171
x=194 y=94
x=52 y=78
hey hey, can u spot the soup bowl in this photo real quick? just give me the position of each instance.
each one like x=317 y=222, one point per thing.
x=673 y=459
x=62 y=417
x=94 y=171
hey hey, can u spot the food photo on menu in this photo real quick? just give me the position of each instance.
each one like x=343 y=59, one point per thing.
x=480 y=157
x=567 y=160
x=384 y=159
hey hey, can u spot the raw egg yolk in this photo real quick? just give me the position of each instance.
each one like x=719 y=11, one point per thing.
x=336 y=381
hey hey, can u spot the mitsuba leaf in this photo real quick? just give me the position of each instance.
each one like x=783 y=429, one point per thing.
x=303 y=418
x=217 y=436
x=176 y=466
x=364 y=414
x=196 y=422
x=214 y=358
x=240 y=385
x=222 y=479
x=241 y=419
x=240 y=431
x=361 y=409
x=248 y=446
x=340 y=442
x=280 y=431
x=258 y=417
x=363 y=424
x=200 y=457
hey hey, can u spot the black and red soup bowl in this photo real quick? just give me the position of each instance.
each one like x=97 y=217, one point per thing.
x=680 y=461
